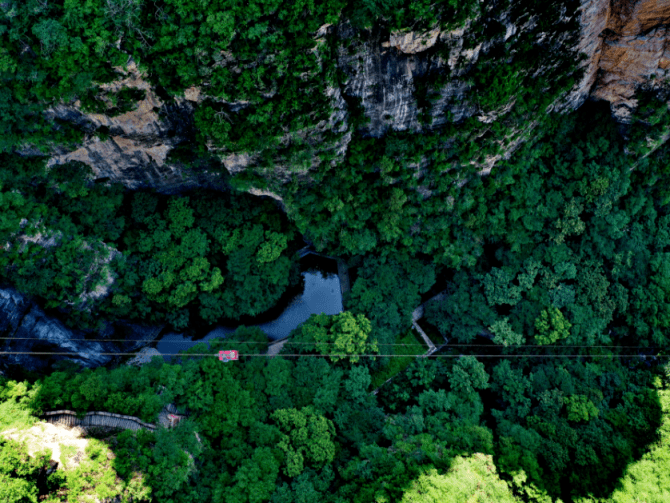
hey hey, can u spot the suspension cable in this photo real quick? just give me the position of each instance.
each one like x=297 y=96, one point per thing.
x=223 y=339
x=251 y=355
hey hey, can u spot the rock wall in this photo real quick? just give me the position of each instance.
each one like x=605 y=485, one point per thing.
x=593 y=17
x=635 y=50
x=383 y=70
x=382 y=78
x=31 y=330
x=135 y=145
x=25 y=328
x=625 y=44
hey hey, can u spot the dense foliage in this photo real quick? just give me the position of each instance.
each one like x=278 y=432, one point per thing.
x=575 y=249
x=343 y=336
x=19 y=472
x=83 y=246
x=304 y=429
x=547 y=276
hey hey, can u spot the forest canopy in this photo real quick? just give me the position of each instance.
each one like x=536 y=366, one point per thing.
x=503 y=247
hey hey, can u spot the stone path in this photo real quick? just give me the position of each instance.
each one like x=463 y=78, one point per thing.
x=275 y=347
x=417 y=314
x=144 y=356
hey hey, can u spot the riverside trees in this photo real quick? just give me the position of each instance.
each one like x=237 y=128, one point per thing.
x=164 y=259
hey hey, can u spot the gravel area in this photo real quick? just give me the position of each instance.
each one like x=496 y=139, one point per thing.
x=143 y=356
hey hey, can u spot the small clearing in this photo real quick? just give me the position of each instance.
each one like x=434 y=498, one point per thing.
x=53 y=436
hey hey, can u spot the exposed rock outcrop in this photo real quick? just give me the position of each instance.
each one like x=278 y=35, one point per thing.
x=132 y=162
x=422 y=81
x=635 y=49
x=593 y=17
x=388 y=74
x=134 y=149
x=144 y=356
x=413 y=42
x=27 y=329
x=33 y=331
x=13 y=307
x=382 y=79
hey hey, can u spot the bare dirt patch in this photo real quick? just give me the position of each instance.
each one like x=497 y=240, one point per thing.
x=53 y=436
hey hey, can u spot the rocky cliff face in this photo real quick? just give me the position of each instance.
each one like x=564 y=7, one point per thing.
x=635 y=51
x=624 y=43
x=593 y=16
x=25 y=328
x=134 y=146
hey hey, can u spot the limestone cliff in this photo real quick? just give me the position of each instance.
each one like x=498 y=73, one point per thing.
x=25 y=328
x=624 y=43
x=635 y=51
x=134 y=146
x=388 y=75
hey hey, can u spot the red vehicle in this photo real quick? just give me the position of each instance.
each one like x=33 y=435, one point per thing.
x=226 y=356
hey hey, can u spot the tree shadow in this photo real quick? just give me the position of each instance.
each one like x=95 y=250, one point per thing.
x=576 y=430
x=546 y=440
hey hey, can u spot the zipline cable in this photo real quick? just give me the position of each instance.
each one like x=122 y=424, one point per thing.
x=223 y=339
x=422 y=355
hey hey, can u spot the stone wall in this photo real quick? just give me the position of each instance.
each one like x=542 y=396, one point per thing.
x=634 y=50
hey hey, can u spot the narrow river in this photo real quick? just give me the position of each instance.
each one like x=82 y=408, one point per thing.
x=321 y=295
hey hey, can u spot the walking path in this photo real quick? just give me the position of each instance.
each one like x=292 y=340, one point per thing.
x=417 y=314
x=98 y=418
x=168 y=417
x=275 y=347
x=426 y=339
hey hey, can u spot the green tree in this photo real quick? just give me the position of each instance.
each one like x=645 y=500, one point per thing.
x=467 y=375
x=342 y=335
x=504 y=334
x=19 y=472
x=387 y=291
x=254 y=481
x=551 y=326
x=472 y=479
x=580 y=408
x=645 y=479
x=306 y=439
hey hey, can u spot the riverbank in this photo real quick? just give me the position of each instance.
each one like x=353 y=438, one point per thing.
x=321 y=294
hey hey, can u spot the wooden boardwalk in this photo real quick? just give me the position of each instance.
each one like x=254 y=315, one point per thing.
x=98 y=418
x=168 y=417
x=417 y=314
